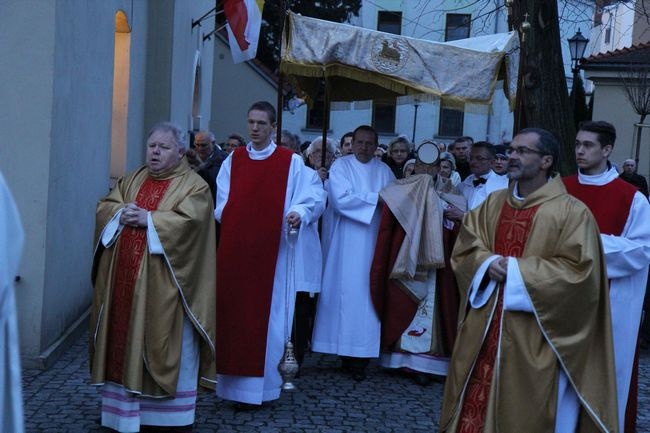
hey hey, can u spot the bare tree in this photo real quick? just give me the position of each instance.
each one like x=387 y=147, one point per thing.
x=636 y=82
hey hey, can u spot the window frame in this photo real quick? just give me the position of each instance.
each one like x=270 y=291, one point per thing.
x=466 y=19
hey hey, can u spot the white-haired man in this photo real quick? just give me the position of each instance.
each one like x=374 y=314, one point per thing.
x=314 y=155
x=153 y=311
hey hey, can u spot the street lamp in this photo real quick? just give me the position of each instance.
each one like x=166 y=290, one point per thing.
x=577 y=47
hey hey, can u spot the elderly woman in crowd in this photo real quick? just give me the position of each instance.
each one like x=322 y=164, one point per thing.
x=409 y=167
x=448 y=168
x=399 y=151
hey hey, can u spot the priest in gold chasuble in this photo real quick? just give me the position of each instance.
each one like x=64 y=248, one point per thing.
x=534 y=347
x=152 y=325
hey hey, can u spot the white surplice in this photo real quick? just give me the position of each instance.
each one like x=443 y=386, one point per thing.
x=309 y=275
x=627 y=258
x=346 y=322
x=304 y=195
x=11 y=247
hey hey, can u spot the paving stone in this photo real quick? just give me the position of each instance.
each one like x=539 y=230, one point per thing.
x=62 y=400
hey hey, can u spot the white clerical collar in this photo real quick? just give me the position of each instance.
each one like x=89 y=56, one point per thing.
x=598 y=179
x=515 y=190
x=260 y=154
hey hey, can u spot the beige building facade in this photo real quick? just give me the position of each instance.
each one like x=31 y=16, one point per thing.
x=607 y=71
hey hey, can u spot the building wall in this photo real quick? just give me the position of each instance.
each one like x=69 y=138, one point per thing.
x=426 y=126
x=611 y=104
x=616 y=29
x=56 y=119
x=641 y=31
x=234 y=88
x=80 y=135
x=26 y=123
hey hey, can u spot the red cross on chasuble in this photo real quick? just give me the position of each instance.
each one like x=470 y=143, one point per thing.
x=510 y=240
x=130 y=249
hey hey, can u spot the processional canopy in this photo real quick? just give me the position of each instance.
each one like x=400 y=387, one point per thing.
x=361 y=64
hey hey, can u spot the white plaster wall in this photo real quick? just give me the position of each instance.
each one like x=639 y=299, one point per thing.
x=185 y=43
x=26 y=54
x=137 y=13
x=611 y=104
x=79 y=159
x=235 y=87
x=57 y=82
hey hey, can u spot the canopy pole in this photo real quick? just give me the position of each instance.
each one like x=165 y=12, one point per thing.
x=326 y=121
x=280 y=109
x=280 y=101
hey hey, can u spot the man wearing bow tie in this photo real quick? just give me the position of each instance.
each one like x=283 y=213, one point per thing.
x=478 y=185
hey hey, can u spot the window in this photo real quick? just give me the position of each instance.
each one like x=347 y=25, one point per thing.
x=389 y=22
x=383 y=117
x=450 y=122
x=608 y=35
x=457 y=26
x=316 y=114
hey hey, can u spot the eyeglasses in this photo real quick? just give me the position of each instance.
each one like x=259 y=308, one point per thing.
x=201 y=144
x=522 y=150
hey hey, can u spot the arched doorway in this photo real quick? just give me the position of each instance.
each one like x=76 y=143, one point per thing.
x=121 y=70
x=196 y=93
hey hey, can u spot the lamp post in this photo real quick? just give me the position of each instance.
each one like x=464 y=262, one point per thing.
x=415 y=119
x=577 y=47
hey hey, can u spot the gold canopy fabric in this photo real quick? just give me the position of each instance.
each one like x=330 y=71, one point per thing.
x=362 y=64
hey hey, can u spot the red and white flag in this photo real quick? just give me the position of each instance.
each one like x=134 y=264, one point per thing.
x=244 y=21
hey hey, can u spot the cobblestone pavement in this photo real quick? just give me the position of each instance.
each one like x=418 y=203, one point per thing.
x=61 y=400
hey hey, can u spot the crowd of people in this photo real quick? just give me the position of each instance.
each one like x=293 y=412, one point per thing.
x=521 y=289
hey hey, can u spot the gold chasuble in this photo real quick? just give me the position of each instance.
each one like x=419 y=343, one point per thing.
x=556 y=243
x=140 y=298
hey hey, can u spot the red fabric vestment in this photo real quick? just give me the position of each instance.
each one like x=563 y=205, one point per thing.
x=510 y=240
x=252 y=223
x=394 y=307
x=447 y=294
x=130 y=250
x=610 y=204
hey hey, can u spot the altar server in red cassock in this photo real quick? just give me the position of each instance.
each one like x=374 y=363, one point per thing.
x=534 y=347
x=623 y=217
x=261 y=190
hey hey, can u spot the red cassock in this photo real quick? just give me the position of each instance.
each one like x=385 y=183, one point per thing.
x=394 y=306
